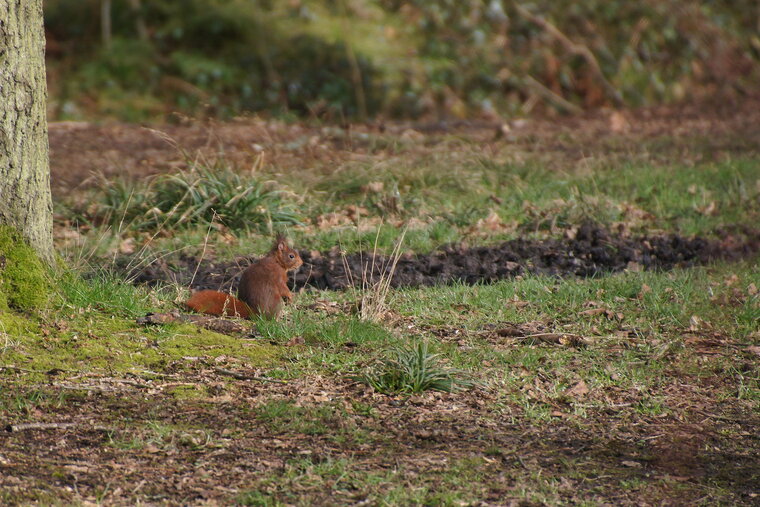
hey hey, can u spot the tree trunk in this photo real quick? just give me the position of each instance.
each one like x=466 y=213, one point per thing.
x=25 y=201
x=105 y=22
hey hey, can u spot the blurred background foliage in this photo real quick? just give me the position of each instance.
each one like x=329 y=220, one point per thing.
x=139 y=60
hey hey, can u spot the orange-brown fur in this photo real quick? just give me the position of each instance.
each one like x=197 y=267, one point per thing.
x=262 y=288
x=264 y=284
x=218 y=303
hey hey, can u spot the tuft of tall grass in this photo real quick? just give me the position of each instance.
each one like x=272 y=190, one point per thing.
x=103 y=291
x=414 y=370
x=201 y=195
x=374 y=293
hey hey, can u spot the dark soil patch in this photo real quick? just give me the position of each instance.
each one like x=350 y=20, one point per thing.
x=593 y=251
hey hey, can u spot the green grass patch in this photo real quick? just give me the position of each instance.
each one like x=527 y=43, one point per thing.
x=480 y=200
x=413 y=369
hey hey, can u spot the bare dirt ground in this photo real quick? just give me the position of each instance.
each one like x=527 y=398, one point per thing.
x=132 y=441
x=80 y=150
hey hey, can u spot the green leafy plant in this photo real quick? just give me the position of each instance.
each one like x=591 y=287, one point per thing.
x=414 y=370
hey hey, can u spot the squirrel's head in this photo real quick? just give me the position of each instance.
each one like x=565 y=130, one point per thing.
x=286 y=256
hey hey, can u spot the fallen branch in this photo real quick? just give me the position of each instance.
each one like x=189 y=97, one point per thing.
x=575 y=49
x=219 y=325
x=85 y=387
x=52 y=371
x=12 y=428
x=558 y=338
x=38 y=426
x=242 y=376
x=127 y=382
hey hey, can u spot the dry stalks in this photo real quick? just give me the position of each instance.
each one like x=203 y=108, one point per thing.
x=373 y=293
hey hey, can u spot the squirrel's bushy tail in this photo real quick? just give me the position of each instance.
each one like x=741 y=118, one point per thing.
x=214 y=302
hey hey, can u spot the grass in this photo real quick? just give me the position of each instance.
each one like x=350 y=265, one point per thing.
x=479 y=198
x=658 y=402
x=413 y=370
x=528 y=386
x=205 y=195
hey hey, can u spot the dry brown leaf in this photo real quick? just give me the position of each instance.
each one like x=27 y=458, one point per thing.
x=330 y=220
x=375 y=187
x=517 y=303
x=572 y=340
x=296 y=340
x=412 y=135
x=329 y=307
x=579 y=390
x=618 y=122
x=594 y=311
x=711 y=209
x=731 y=280
x=127 y=246
x=493 y=223
x=510 y=331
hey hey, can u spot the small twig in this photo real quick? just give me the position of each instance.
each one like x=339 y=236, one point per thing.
x=217 y=324
x=556 y=338
x=177 y=384
x=51 y=371
x=39 y=426
x=125 y=381
x=11 y=428
x=83 y=387
x=242 y=376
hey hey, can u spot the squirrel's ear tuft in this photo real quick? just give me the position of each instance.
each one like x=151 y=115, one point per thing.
x=280 y=242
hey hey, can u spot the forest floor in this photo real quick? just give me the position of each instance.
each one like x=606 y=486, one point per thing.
x=593 y=281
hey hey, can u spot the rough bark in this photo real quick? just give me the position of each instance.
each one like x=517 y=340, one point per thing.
x=25 y=201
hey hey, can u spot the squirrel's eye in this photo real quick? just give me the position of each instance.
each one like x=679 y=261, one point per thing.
x=292 y=256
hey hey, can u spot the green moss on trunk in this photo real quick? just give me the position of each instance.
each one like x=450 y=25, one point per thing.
x=23 y=280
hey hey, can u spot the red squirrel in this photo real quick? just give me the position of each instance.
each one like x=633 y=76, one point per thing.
x=262 y=287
